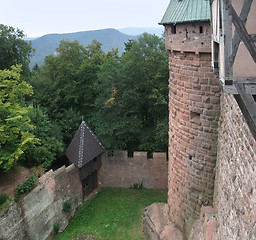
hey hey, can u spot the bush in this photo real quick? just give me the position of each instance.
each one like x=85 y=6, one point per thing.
x=5 y=201
x=67 y=207
x=25 y=187
x=3 y=198
x=137 y=186
x=56 y=228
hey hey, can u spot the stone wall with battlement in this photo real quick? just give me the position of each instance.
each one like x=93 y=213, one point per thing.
x=188 y=37
x=123 y=171
x=35 y=214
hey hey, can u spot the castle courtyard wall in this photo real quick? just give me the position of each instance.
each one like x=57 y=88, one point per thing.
x=120 y=170
x=34 y=215
x=235 y=185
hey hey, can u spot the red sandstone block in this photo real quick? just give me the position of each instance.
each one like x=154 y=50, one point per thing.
x=188 y=85
x=212 y=77
x=206 y=64
x=205 y=88
x=204 y=69
x=206 y=99
x=215 y=89
x=203 y=81
x=182 y=71
x=179 y=93
x=200 y=74
x=184 y=117
x=195 y=98
x=195 y=92
x=208 y=112
x=180 y=82
x=196 y=87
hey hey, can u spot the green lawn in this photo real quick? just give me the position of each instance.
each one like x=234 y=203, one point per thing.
x=113 y=214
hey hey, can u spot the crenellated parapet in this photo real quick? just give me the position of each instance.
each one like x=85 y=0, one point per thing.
x=120 y=170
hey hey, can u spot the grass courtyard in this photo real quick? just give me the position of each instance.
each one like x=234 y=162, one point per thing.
x=113 y=214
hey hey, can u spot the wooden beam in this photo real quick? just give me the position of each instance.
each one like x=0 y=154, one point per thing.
x=242 y=32
x=216 y=38
x=244 y=80
x=253 y=37
x=248 y=107
x=248 y=82
x=226 y=38
x=236 y=39
x=231 y=89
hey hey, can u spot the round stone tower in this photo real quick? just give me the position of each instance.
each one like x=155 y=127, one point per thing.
x=194 y=107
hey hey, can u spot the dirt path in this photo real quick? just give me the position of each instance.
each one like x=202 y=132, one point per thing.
x=10 y=180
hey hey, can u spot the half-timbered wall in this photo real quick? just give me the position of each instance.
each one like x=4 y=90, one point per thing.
x=233 y=43
x=244 y=65
x=233 y=47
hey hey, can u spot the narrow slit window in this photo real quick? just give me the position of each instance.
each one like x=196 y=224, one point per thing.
x=173 y=29
x=201 y=29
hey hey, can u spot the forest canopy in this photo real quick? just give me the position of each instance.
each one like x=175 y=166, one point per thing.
x=124 y=99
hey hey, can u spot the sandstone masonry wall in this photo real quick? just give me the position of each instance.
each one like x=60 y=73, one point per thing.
x=33 y=217
x=189 y=37
x=194 y=107
x=235 y=187
x=121 y=171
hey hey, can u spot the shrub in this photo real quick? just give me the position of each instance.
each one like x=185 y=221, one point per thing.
x=37 y=171
x=67 y=207
x=25 y=187
x=3 y=198
x=5 y=201
x=137 y=186
x=56 y=228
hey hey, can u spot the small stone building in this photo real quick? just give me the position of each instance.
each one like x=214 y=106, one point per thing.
x=85 y=152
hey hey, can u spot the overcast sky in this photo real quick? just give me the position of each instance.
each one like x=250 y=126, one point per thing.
x=37 y=18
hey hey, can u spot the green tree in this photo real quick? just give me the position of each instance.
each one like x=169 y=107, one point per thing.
x=14 y=49
x=145 y=89
x=66 y=84
x=49 y=145
x=15 y=125
x=110 y=119
x=135 y=117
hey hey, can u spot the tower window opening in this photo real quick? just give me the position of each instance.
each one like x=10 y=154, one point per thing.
x=201 y=29
x=173 y=29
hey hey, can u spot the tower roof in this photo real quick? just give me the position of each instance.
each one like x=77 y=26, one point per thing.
x=84 y=147
x=179 y=11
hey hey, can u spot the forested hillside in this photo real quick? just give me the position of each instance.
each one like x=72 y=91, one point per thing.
x=46 y=45
x=123 y=98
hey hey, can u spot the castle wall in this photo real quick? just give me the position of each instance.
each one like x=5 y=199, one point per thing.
x=194 y=108
x=235 y=188
x=34 y=215
x=122 y=171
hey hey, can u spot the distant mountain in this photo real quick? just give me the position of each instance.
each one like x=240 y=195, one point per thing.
x=47 y=44
x=137 y=31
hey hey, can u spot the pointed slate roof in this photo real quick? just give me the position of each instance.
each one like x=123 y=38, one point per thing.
x=179 y=11
x=84 y=147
